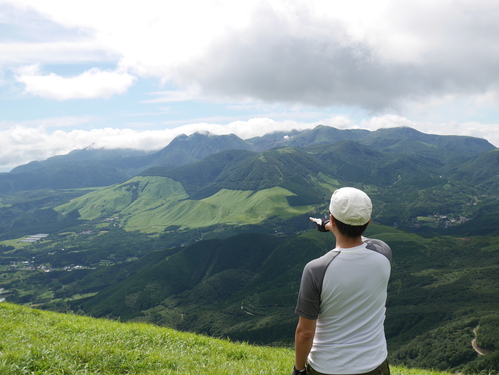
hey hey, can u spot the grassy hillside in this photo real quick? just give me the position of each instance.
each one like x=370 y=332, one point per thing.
x=116 y=198
x=152 y=203
x=38 y=342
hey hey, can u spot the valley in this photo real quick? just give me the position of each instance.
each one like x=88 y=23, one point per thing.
x=212 y=237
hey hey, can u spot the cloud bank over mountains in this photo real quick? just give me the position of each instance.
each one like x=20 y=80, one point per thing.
x=25 y=144
x=211 y=64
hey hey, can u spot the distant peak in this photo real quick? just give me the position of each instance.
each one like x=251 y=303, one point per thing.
x=204 y=132
x=201 y=134
x=90 y=147
x=198 y=134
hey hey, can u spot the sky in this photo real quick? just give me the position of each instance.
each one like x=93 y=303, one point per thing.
x=116 y=74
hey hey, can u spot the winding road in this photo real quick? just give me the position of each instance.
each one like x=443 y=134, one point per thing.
x=480 y=351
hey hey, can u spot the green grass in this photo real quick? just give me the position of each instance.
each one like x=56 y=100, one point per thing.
x=40 y=342
x=150 y=204
x=153 y=192
x=15 y=243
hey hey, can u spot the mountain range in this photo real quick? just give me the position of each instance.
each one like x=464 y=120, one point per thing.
x=409 y=175
x=92 y=167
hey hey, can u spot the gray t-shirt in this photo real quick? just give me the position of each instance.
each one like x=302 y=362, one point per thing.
x=345 y=290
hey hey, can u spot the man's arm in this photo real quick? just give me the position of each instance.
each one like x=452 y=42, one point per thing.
x=304 y=337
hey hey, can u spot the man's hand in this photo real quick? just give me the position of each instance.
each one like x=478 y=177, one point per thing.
x=301 y=372
x=321 y=224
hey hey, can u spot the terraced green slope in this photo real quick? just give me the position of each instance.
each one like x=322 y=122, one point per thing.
x=146 y=193
x=152 y=203
x=233 y=207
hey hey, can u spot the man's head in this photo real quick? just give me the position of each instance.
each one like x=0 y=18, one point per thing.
x=351 y=209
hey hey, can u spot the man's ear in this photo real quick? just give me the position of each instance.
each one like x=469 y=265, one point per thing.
x=331 y=219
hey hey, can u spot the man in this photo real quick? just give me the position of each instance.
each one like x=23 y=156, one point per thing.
x=341 y=303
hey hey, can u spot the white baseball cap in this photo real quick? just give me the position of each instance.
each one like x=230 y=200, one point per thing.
x=351 y=206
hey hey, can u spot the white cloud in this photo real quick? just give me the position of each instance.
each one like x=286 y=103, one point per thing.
x=329 y=60
x=151 y=38
x=246 y=129
x=370 y=54
x=21 y=145
x=93 y=83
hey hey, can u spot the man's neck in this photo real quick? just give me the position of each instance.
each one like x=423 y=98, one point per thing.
x=347 y=242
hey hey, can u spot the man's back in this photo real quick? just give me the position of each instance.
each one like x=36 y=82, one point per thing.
x=350 y=334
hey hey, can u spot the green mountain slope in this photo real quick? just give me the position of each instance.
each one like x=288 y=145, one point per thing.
x=99 y=167
x=243 y=170
x=74 y=174
x=185 y=149
x=481 y=169
x=408 y=140
x=326 y=135
x=40 y=342
x=114 y=199
x=183 y=271
x=243 y=187
x=155 y=203
x=196 y=176
x=271 y=168
x=275 y=139
x=200 y=145
x=233 y=187
x=93 y=167
x=357 y=163
x=245 y=287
